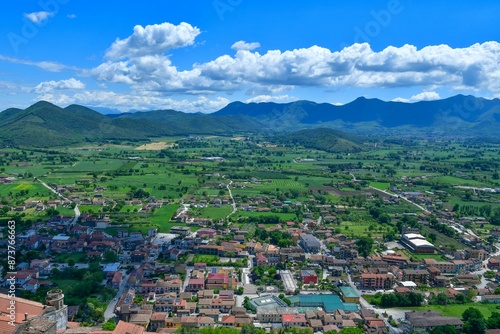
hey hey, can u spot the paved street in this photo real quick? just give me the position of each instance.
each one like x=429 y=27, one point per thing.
x=110 y=310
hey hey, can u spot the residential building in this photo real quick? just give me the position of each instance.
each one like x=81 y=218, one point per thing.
x=377 y=281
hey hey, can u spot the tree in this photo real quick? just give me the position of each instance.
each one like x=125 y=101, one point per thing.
x=384 y=219
x=493 y=321
x=109 y=325
x=433 y=237
x=364 y=246
x=110 y=256
x=251 y=329
x=351 y=330
x=460 y=298
x=441 y=299
x=446 y=329
x=474 y=322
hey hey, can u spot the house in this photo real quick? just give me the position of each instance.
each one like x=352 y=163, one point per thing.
x=309 y=243
x=348 y=294
x=116 y=281
x=226 y=294
x=309 y=277
x=137 y=256
x=419 y=276
x=32 y=285
x=200 y=266
x=195 y=284
x=211 y=313
x=377 y=281
x=125 y=327
x=430 y=319
x=493 y=299
x=220 y=280
x=206 y=233
x=293 y=320
x=157 y=321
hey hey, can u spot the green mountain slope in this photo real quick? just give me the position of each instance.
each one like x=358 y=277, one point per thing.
x=324 y=139
x=46 y=125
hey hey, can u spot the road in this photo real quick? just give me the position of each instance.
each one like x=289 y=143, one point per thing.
x=110 y=310
x=396 y=314
x=189 y=269
x=245 y=272
x=393 y=195
x=481 y=272
x=232 y=198
x=76 y=209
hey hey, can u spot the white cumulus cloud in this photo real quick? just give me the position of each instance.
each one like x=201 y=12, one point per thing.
x=49 y=86
x=242 y=45
x=153 y=39
x=38 y=17
x=44 y=65
x=424 y=96
x=270 y=98
x=126 y=102
x=140 y=61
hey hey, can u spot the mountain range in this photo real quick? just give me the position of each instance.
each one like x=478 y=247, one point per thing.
x=45 y=125
x=468 y=115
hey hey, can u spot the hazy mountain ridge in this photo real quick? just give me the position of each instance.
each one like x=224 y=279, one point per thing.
x=464 y=113
x=44 y=124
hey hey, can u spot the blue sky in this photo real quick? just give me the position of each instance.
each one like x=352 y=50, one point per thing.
x=201 y=55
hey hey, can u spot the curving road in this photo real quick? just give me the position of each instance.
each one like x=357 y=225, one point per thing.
x=228 y=186
x=393 y=195
x=76 y=209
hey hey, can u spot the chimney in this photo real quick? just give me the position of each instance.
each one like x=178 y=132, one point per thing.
x=26 y=316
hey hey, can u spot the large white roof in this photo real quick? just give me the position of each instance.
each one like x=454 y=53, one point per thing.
x=421 y=243
x=411 y=236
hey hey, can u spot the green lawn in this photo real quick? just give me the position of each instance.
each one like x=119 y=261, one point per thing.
x=380 y=185
x=205 y=258
x=283 y=216
x=77 y=257
x=456 y=310
x=164 y=214
x=362 y=228
x=214 y=212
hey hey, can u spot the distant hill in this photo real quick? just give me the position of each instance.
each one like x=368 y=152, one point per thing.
x=46 y=125
x=328 y=140
x=464 y=115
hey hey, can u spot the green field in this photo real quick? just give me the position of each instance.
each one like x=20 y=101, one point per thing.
x=452 y=180
x=77 y=257
x=456 y=310
x=283 y=216
x=214 y=212
x=205 y=258
x=380 y=185
x=441 y=239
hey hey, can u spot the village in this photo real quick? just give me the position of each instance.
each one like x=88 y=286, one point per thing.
x=219 y=277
